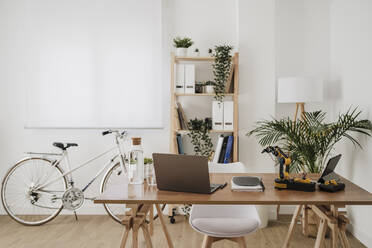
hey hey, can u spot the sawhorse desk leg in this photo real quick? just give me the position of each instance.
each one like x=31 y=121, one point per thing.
x=330 y=217
x=133 y=221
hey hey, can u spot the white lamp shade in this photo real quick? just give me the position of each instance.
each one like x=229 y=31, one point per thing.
x=299 y=89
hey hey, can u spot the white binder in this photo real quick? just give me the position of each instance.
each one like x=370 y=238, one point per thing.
x=217 y=152
x=190 y=79
x=179 y=78
x=217 y=115
x=228 y=115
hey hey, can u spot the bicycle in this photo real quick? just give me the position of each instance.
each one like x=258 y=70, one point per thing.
x=37 y=188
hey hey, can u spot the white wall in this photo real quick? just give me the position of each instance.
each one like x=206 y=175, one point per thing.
x=302 y=44
x=351 y=74
x=209 y=23
x=257 y=76
x=14 y=139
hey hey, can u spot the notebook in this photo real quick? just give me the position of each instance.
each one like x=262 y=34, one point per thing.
x=247 y=183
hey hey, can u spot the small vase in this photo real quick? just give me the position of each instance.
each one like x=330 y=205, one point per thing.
x=181 y=51
x=209 y=89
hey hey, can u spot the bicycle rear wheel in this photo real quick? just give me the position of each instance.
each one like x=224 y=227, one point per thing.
x=20 y=198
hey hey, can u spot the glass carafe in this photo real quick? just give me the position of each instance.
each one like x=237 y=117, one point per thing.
x=136 y=167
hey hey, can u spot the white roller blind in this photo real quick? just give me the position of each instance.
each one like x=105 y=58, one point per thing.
x=93 y=63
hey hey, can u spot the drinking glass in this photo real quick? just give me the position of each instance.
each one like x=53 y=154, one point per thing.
x=150 y=175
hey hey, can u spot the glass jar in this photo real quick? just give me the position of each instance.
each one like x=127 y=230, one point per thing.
x=136 y=167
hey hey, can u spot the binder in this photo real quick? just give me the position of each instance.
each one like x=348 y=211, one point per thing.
x=228 y=152
x=217 y=115
x=190 y=79
x=228 y=115
x=179 y=144
x=218 y=149
x=223 y=150
x=179 y=78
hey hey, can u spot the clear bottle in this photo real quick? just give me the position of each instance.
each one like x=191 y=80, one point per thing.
x=136 y=167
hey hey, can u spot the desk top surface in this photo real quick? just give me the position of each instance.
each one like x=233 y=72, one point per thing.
x=129 y=194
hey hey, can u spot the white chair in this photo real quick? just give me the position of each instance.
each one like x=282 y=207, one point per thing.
x=218 y=222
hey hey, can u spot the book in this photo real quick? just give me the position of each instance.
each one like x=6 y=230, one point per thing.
x=179 y=144
x=183 y=116
x=218 y=149
x=228 y=153
x=247 y=183
x=229 y=81
x=177 y=119
x=223 y=150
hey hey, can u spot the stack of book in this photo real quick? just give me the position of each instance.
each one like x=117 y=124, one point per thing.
x=224 y=148
x=247 y=183
x=181 y=119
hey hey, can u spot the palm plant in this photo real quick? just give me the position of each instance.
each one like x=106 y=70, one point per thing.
x=309 y=141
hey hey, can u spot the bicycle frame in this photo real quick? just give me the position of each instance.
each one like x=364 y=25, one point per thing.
x=68 y=173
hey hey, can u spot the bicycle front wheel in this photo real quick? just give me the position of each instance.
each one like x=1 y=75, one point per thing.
x=23 y=201
x=114 y=176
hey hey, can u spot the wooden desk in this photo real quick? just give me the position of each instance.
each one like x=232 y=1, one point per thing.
x=324 y=204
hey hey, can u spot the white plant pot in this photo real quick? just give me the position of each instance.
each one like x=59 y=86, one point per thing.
x=181 y=51
x=209 y=89
x=196 y=54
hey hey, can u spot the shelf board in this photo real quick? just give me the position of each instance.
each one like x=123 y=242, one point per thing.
x=201 y=94
x=177 y=58
x=210 y=131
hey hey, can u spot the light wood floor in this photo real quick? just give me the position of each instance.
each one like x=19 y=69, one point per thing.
x=101 y=231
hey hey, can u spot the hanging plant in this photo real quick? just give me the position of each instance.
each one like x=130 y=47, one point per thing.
x=200 y=138
x=221 y=69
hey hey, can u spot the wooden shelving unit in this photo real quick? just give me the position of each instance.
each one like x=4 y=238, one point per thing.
x=174 y=98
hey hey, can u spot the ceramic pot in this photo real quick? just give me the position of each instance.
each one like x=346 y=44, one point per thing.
x=209 y=89
x=181 y=51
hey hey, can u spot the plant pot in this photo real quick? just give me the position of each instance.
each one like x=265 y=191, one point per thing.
x=181 y=51
x=199 y=88
x=196 y=54
x=209 y=89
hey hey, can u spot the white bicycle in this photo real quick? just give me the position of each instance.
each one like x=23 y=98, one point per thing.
x=37 y=188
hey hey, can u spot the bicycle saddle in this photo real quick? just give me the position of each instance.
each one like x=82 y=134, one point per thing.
x=64 y=146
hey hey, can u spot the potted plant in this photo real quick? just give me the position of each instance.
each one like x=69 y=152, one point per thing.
x=209 y=87
x=210 y=52
x=221 y=69
x=196 y=52
x=199 y=87
x=200 y=137
x=181 y=45
x=310 y=141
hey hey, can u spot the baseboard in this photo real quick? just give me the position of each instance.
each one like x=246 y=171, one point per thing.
x=363 y=236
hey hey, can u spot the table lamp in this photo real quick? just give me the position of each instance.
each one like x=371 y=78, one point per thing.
x=299 y=90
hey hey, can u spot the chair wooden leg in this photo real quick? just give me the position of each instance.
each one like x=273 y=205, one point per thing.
x=151 y=225
x=241 y=242
x=207 y=241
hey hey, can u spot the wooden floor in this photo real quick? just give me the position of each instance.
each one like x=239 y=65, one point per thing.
x=101 y=231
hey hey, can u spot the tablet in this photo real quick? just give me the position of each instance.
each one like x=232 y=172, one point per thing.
x=329 y=169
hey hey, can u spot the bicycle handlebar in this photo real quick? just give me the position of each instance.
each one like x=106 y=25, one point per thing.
x=122 y=133
x=106 y=132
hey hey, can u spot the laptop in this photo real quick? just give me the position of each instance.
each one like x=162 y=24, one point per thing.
x=183 y=173
x=328 y=173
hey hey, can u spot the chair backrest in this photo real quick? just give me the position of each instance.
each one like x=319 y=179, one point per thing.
x=237 y=167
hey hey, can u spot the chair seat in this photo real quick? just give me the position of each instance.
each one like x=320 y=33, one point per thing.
x=225 y=227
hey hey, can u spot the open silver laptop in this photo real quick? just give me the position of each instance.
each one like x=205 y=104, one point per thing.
x=183 y=173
